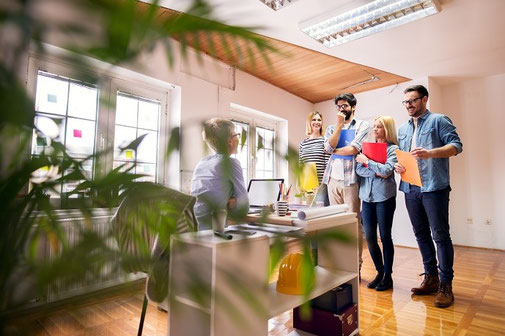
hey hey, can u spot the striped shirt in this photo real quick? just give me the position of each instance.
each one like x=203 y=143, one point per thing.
x=312 y=150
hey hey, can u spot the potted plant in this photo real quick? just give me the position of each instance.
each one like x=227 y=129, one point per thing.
x=299 y=198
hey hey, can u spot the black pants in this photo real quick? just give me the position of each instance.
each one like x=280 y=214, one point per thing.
x=381 y=214
x=429 y=215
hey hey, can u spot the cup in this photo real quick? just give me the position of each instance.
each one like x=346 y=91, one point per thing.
x=298 y=200
x=219 y=219
x=281 y=208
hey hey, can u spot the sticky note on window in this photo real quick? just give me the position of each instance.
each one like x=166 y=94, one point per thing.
x=51 y=98
x=129 y=154
x=77 y=133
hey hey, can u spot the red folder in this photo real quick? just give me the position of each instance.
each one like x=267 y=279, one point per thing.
x=375 y=151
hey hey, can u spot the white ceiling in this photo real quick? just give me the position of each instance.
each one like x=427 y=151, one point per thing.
x=465 y=40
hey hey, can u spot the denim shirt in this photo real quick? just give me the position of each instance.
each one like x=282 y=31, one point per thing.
x=434 y=131
x=362 y=127
x=373 y=188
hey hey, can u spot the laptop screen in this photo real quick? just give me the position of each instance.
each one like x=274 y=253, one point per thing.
x=264 y=191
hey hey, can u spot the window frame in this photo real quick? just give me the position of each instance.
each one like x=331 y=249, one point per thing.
x=255 y=121
x=150 y=93
x=105 y=119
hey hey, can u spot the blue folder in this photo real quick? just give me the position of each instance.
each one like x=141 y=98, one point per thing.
x=346 y=137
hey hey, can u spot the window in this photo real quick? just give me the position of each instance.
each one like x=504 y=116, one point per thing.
x=136 y=116
x=243 y=148
x=265 y=153
x=76 y=114
x=65 y=110
x=256 y=150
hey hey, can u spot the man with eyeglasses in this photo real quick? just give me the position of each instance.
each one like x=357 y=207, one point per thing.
x=432 y=139
x=340 y=174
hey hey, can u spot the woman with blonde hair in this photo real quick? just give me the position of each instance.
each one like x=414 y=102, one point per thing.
x=311 y=149
x=378 y=195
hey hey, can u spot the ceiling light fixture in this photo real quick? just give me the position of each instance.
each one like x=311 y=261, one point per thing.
x=374 y=17
x=277 y=4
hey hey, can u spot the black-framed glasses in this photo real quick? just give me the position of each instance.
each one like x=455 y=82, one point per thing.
x=411 y=101
x=343 y=106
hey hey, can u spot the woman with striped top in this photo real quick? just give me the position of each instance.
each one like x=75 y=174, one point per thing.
x=312 y=148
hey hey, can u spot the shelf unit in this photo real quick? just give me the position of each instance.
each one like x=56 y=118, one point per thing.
x=220 y=287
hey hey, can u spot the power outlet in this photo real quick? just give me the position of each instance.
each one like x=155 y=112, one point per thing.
x=488 y=221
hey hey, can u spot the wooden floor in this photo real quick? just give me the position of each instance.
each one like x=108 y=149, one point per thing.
x=479 y=309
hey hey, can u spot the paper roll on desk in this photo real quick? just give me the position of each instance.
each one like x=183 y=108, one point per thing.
x=311 y=213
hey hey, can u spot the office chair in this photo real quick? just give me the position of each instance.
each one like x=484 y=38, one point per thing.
x=142 y=225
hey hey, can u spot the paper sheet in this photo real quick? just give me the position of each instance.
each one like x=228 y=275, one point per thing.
x=267 y=228
x=308 y=178
x=411 y=174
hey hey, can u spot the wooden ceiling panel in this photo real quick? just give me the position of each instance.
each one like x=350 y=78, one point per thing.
x=306 y=73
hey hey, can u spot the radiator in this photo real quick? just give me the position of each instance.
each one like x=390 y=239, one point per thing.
x=71 y=222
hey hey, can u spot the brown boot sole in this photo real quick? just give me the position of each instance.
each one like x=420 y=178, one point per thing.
x=444 y=305
x=424 y=293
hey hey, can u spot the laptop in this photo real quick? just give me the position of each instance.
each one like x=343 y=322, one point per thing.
x=263 y=192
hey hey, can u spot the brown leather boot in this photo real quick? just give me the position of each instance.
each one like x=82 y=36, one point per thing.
x=444 y=298
x=428 y=286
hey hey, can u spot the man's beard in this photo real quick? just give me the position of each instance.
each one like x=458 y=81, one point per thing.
x=348 y=115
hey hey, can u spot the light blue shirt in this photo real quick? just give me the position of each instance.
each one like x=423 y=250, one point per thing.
x=373 y=188
x=215 y=180
x=362 y=127
x=433 y=131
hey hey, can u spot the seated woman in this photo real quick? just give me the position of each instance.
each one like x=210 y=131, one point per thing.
x=378 y=193
x=217 y=180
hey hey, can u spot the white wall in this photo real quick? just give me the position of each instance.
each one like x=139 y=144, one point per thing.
x=202 y=99
x=476 y=107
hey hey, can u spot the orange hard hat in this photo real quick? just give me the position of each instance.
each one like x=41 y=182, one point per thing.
x=290 y=275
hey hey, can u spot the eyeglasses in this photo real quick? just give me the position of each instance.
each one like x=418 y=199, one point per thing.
x=343 y=106
x=411 y=101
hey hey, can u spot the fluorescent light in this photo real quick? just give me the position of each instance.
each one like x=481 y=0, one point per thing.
x=277 y=4
x=368 y=19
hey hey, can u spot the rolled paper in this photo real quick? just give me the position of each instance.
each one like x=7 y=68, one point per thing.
x=311 y=213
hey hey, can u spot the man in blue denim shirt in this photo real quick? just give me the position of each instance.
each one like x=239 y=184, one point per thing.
x=432 y=139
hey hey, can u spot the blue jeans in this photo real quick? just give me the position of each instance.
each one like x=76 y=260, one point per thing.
x=380 y=213
x=429 y=215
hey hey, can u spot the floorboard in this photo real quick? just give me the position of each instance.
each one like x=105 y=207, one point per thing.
x=479 y=309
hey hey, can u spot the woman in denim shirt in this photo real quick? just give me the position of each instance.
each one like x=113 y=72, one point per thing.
x=378 y=194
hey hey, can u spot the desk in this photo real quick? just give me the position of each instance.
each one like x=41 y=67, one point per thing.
x=236 y=297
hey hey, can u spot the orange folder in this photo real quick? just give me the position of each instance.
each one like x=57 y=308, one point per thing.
x=411 y=174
